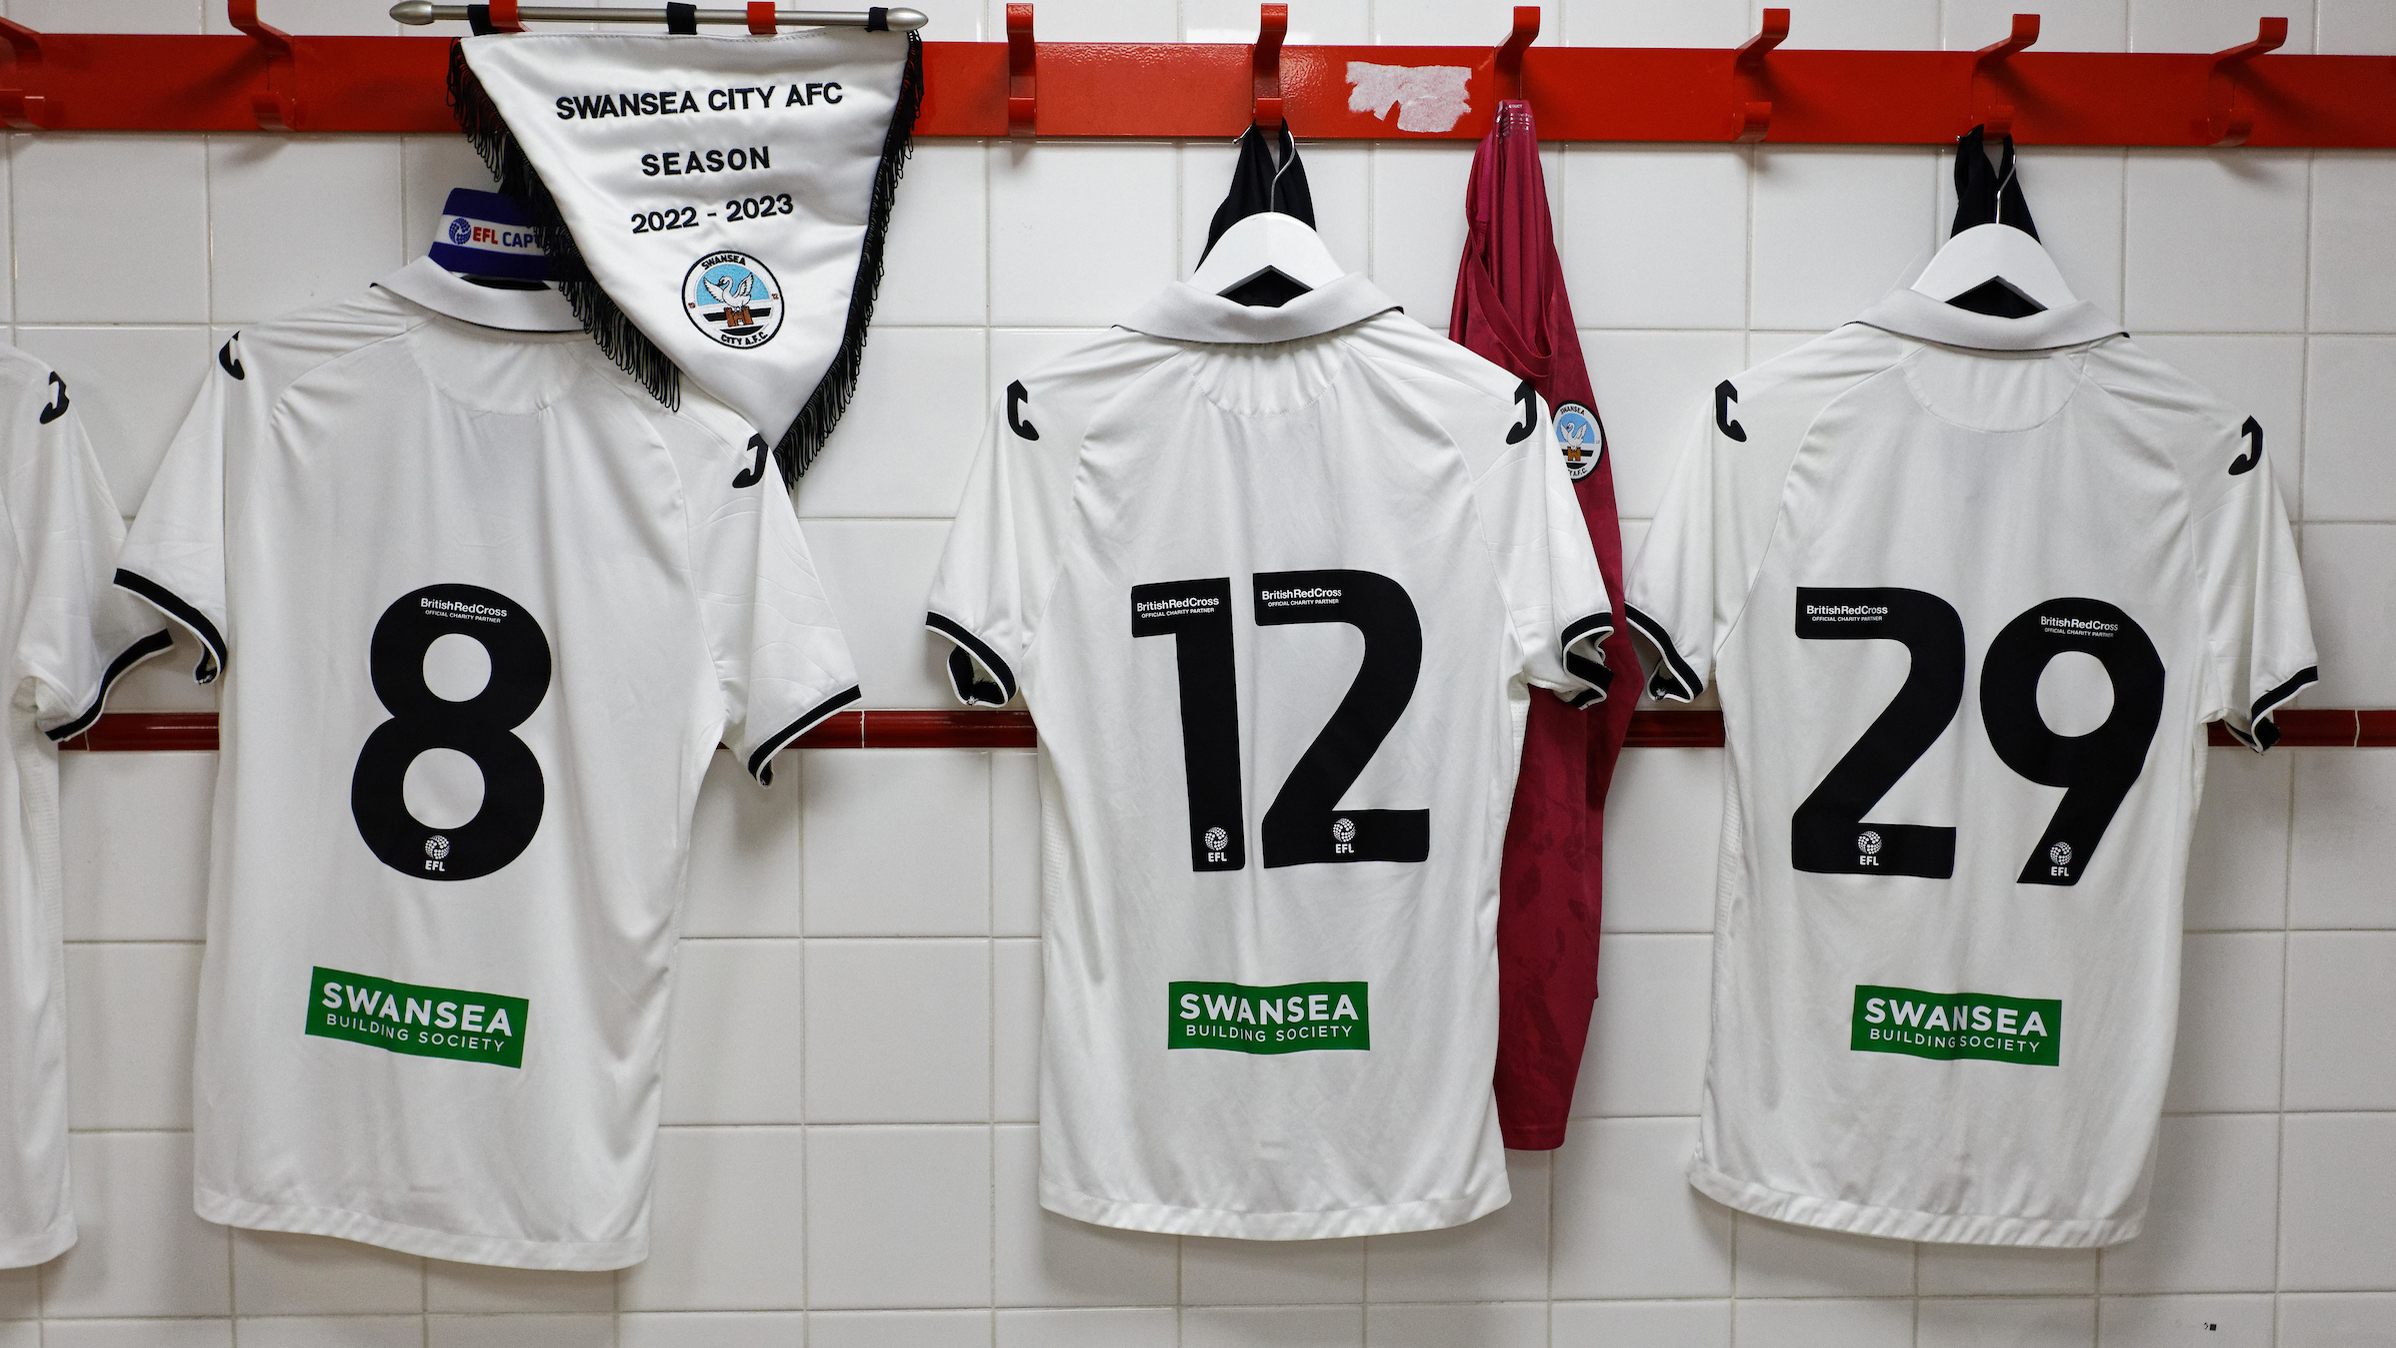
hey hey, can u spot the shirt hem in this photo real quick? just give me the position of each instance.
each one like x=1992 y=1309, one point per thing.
x=589 y=1256
x=40 y=1248
x=1428 y=1214
x=1951 y=1228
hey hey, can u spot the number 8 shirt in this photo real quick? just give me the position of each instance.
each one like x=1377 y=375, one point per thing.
x=483 y=609
x=1970 y=586
x=1275 y=582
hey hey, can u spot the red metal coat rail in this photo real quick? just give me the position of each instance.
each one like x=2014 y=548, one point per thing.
x=265 y=79
x=269 y=80
x=155 y=732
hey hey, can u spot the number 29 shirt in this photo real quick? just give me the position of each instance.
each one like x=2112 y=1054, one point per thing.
x=1275 y=583
x=482 y=610
x=1970 y=587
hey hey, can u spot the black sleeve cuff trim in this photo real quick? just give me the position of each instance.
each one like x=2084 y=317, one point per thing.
x=1591 y=672
x=2263 y=705
x=2265 y=732
x=1674 y=679
x=1601 y=623
x=126 y=659
x=761 y=763
x=970 y=689
x=213 y=659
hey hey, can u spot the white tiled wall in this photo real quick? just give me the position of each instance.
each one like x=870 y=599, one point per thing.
x=851 y=1168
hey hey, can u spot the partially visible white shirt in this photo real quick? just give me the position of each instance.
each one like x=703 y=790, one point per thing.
x=1970 y=588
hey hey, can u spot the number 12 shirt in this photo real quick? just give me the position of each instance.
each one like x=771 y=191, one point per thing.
x=1970 y=587
x=1275 y=583
x=482 y=609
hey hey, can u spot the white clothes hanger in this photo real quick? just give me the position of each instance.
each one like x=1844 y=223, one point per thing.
x=1998 y=253
x=1267 y=242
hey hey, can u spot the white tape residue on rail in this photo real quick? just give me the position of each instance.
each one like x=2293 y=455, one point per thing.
x=1429 y=98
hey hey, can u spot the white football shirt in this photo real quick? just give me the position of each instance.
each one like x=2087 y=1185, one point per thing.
x=1970 y=587
x=67 y=636
x=483 y=610
x=1274 y=583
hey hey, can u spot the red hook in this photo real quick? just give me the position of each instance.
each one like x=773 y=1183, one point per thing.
x=761 y=18
x=1751 y=115
x=1509 y=53
x=1272 y=25
x=1022 y=62
x=2225 y=123
x=1987 y=62
x=275 y=106
x=19 y=109
x=503 y=17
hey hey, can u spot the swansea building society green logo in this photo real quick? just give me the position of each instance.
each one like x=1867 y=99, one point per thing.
x=1950 y=1025
x=426 y=1022
x=1290 y=1018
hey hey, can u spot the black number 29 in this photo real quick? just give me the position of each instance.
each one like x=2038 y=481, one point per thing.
x=480 y=727
x=1304 y=825
x=1829 y=834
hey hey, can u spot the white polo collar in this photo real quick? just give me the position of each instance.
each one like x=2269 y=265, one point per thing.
x=428 y=283
x=1910 y=313
x=1182 y=312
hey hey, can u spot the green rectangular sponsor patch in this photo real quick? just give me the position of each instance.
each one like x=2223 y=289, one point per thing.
x=1291 y=1018
x=1950 y=1025
x=427 y=1022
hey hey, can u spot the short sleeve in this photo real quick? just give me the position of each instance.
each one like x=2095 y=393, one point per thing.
x=75 y=634
x=1555 y=593
x=174 y=555
x=2258 y=635
x=1670 y=596
x=779 y=653
x=1002 y=554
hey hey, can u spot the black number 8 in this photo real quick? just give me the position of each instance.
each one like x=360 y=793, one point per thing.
x=479 y=727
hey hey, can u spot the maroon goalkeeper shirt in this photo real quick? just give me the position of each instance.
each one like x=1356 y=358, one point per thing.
x=1511 y=309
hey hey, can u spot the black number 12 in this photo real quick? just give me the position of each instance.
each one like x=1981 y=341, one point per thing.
x=1304 y=825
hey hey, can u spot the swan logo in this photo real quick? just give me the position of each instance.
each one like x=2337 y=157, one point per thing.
x=732 y=298
x=1582 y=439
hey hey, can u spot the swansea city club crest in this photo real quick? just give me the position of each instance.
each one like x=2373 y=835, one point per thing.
x=1581 y=438
x=732 y=298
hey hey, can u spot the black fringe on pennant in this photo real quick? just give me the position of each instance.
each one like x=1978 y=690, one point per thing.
x=616 y=334
x=479 y=118
x=799 y=445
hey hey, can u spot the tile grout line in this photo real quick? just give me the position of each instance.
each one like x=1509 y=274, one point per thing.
x=990 y=1002
x=2279 y=1126
x=208 y=225
x=990 y=1016
x=41 y=1278
x=806 y=1098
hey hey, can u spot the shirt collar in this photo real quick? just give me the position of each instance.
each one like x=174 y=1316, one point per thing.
x=428 y=283
x=1910 y=313
x=1182 y=312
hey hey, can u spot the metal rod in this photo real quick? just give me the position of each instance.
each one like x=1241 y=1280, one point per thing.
x=424 y=11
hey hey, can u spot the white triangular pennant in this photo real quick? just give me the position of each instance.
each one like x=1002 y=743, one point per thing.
x=727 y=196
